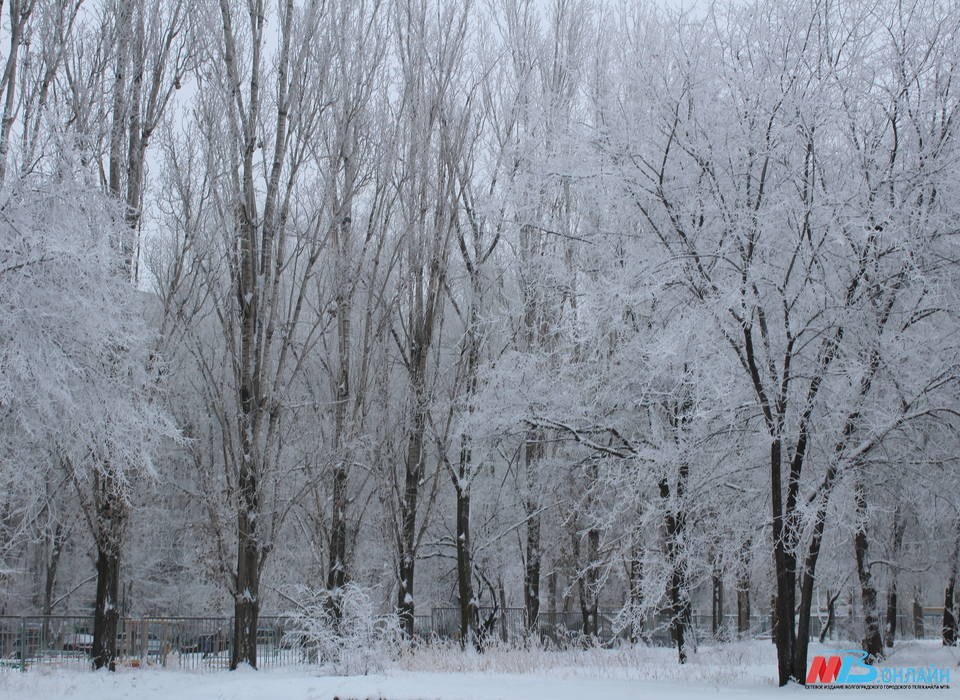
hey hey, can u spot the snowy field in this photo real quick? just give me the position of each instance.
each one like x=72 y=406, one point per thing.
x=737 y=670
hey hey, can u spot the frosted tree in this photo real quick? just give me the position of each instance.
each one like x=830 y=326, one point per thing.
x=795 y=261
x=254 y=252
x=75 y=378
x=432 y=132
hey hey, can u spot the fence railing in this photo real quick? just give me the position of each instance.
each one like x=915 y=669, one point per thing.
x=195 y=643
x=203 y=643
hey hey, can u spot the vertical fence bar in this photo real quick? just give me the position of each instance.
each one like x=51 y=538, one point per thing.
x=23 y=645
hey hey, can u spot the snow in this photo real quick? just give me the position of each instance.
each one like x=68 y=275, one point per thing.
x=742 y=670
x=160 y=685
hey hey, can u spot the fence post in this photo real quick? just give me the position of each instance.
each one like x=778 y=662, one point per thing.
x=23 y=645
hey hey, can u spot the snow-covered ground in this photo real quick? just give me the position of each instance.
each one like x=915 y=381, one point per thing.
x=737 y=670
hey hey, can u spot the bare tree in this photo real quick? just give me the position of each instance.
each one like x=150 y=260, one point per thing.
x=430 y=48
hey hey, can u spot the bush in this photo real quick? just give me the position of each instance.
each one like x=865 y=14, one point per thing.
x=340 y=629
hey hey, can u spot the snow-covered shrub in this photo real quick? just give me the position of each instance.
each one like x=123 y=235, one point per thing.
x=359 y=642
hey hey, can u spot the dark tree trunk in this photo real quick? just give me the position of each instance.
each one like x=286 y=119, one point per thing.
x=408 y=509
x=897 y=544
x=246 y=601
x=743 y=611
x=773 y=618
x=785 y=568
x=502 y=593
x=106 y=615
x=918 y=631
x=405 y=604
x=949 y=618
x=593 y=580
x=679 y=613
x=873 y=638
x=337 y=560
x=585 y=585
x=531 y=576
x=552 y=592
x=719 y=631
x=831 y=615
x=743 y=592
x=636 y=594
x=248 y=286
x=792 y=623
x=531 y=573
x=109 y=526
x=469 y=617
x=57 y=542
x=535 y=332
x=677 y=594
x=337 y=568
x=800 y=638
x=891 y=613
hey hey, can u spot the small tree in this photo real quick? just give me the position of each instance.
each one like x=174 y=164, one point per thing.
x=340 y=628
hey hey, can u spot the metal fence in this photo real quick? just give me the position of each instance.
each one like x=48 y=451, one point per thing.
x=194 y=643
x=203 y=643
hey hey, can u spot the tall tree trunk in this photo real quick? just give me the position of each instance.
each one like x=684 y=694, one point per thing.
x=679 y=607
x=502 y=594
x=896 y=545
x=111 y=515
x=635 y=576
x=799 y=639
x=891 y=612
x=20 y=12
x=336 y=564
x=773 y=617
x=581 y=594
x=106 y=614
x=588 y=583
x=337 y=560
x=949 y=626
x=743 y=610
x=675 y=519
x=918 y=627
x=591 y=608
x=677 y=593
x=743 y=607
x=533 y=449
x=247 y=579
x=784 y=563
x=413 y=468
x=719 y=631
x=246 y=602
x=535 y=331
x=462 y=480
x=57 y=542
x=949 y=618
x=552 y=591
x=743 y=591
x=873 y=638
x=118 y=165
x=469 y=609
